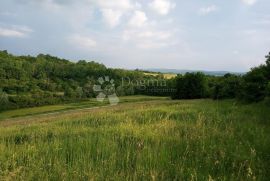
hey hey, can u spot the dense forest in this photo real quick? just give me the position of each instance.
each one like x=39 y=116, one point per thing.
x=27 y=81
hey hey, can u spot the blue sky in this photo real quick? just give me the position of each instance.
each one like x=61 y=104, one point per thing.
x=228 y=35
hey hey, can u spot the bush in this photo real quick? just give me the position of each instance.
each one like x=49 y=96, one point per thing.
x=69 y=92
x=254 y=85
x=227 y=87
x=268 y=89
x=191 y=86
x=120 y=91
x=4 y=101
x=88 y=90
x=79 y=92
x=22 y=101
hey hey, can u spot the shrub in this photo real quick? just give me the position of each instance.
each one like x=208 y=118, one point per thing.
x=268 y=89
x=254 y=85
x=191 y=86
x=227 y=87
x=4 y=101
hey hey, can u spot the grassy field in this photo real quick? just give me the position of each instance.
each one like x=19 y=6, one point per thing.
x=71 y=106
x=166 y=75
x=154 y=140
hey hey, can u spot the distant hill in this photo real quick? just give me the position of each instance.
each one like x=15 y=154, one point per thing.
x=180 y=71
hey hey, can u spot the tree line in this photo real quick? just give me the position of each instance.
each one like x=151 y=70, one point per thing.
x=254 y=86
x=27 y=81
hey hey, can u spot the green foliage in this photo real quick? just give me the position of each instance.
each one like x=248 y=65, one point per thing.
x=268 y=89
x=191 y=86
x=125 y=90
x=79 y=92
x=251 y=87
x=254 y=86
x=226 y=87
x=268 y=59
x=70 y=93
x=29 y=78
x=254 y=90
x=120 y=91
x=4 y=100
x=88 y=90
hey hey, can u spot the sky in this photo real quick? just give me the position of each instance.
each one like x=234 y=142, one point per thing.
x=231 y=35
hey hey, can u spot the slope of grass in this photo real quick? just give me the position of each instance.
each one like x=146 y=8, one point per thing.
x=158 y=140
x=71 y=106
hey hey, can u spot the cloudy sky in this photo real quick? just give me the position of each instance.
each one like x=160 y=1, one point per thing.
x=181 y=34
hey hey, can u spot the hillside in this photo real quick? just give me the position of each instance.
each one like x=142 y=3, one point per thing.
x=28 y=81
x=156 y=140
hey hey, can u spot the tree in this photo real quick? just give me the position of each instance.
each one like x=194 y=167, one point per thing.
x=129 y=90
x=69 y=92
x=88 y=90
x=227 y=86
x=120 y=91
x=4 y=101
x=254 y=85
x=268 y=89
x=191 y=86
x=268 y=59
x=79 y=92
x=268 y=66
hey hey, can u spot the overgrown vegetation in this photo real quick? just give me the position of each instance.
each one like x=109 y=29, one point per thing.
x=27 y=81
x=251 y=87
x=162 y=140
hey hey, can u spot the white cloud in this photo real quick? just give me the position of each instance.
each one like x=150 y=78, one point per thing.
x=249 y=2
x=159 y=35
x=11 y=33
x=15 y=31
x=148 y=38
x=138 y=5
x=82 y=41
x=111 y=17
x=123 y=5
x=112 y=11
x=138 y=19
x=207 y=10
x=162 y=7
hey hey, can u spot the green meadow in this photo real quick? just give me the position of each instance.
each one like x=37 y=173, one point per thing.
x=71 y=106
x=144 y=140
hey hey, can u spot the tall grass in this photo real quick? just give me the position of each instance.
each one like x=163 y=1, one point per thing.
x=71 y=106
x=165 y=140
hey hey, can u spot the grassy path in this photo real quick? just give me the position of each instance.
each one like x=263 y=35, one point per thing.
x=55 y=115
x=56 y=109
